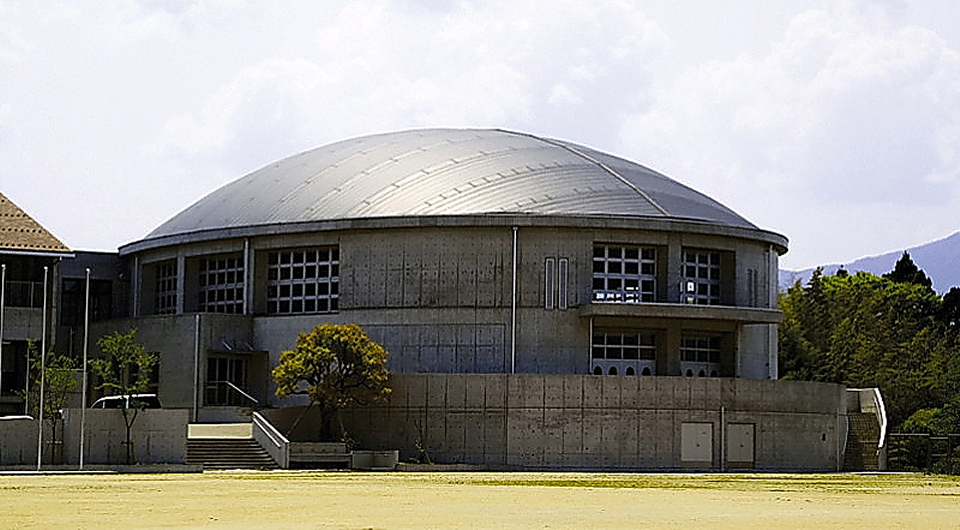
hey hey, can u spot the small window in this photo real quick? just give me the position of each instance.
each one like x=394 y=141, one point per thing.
x=562 y=274
x=548 y=279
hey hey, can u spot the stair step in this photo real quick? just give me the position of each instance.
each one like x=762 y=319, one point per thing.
x=862 y=440
x=236 y=453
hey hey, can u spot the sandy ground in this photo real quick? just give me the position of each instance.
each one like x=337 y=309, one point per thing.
x=477 y=500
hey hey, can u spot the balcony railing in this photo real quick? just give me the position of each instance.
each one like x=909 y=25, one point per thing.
x=623 y=297
x=225 y=393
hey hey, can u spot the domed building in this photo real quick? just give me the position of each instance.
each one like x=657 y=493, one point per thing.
x=544 y=304
x=478 y=251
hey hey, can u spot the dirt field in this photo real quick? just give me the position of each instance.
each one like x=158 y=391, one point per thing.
x=477 y=500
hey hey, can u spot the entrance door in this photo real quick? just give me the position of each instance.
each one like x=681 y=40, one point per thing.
x=227 y=381
x=696 y=445
x=740 y=445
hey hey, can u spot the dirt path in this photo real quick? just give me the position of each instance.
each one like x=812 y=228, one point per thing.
x=482 y=500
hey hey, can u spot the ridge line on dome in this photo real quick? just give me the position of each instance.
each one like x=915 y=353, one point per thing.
x=599 y=164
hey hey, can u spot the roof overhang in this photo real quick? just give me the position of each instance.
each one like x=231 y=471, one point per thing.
x=739 y=315
x=694 y=226
x=37 y=253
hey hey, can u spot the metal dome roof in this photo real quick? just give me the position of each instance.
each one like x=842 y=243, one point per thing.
x=447 y=172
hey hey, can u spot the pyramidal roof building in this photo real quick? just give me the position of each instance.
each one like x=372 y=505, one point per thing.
x=545 y=305
x=21 y=234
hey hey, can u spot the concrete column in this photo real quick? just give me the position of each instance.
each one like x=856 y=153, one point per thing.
x=668 y=358
x=181 y=282
x=674 y=257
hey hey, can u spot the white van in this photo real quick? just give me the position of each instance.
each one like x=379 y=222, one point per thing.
x=144 y=401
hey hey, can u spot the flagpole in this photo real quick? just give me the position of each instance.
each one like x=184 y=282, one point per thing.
x=3 y=302
x=83 y=399
x=43 y=364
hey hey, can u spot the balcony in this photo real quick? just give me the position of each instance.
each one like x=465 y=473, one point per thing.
x=717 y=313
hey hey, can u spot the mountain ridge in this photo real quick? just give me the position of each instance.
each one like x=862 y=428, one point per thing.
x=939 y=259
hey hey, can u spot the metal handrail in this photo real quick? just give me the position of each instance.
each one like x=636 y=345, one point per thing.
x=278 y=446
x=236 y=388
x=882 y=413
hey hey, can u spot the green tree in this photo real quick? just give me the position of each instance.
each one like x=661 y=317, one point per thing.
x=906 y=271
x=58 y=377
x=950 y=312
x=125 y=370
x=862 y=330
x=335 y=366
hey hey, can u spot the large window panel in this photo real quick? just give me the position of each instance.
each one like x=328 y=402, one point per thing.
x=700 y=355
x=305 y=281
x=700 y=277
x=624 y=352
x=624 y=273
x=166 y=288
x=221 y=285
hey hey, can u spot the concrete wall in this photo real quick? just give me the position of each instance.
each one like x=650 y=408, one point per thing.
x=159 y=436
x=18 y=442
x=175 y=338
x=440 y=297
x=572 y=421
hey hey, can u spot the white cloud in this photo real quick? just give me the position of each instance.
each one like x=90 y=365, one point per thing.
x=376 y=66
x=838 y=126
x=848 y=115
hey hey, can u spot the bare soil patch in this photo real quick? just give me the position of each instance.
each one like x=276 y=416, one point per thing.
x=477 y=500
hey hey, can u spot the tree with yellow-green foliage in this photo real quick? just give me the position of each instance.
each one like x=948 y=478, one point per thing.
x=125 y=370
x=335 y=366
x=892 y=332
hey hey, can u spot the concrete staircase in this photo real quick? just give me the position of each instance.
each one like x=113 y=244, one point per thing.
x=862 y=440
x=226 y=446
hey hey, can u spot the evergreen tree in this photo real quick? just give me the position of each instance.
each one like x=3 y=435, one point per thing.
x=906 y=271
x=862 y=331
x=950 y=311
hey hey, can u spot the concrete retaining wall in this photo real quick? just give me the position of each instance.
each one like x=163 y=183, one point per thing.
x=159 y=437
x=573 y=421
x=18 y=442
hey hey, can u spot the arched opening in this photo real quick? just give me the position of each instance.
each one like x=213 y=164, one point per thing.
x=713 y=373
x=689 y=372
x=646 y=371
x=597 y=370
x=701 y=374
x=613 y=370
x=631 y=371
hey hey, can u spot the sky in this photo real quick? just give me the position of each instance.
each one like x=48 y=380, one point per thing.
x=835 y=123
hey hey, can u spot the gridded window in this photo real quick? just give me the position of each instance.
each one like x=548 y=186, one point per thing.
x=700 y=349
x=701 y=277
x=303 y=281
x=624 y=274
x=221 y=285
x=624 y=346
x=166 y=288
